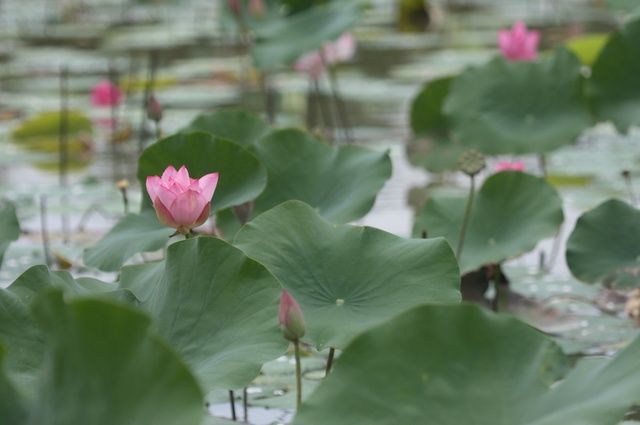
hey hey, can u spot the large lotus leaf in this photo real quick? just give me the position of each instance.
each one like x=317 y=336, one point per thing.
x=282 y=41
x=9 y=227
x=218 y=309
x=242 y=178
x=605 y=245
x=340 y=182
x=12 y=410
x=462 y=365
x=105 y=365
x=614 y=83
x=348 y=278
x=236 y=125
x=588 y=47
x=519 y=107
x=431 y=146
x=512 y=211
x=20 y=335
x=134 y=233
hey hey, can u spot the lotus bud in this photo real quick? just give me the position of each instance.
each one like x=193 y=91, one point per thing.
x=471 y=162
x=105 y=93
x=154 y=109
x=291 y=318
x=509 y=166
x=519 y=44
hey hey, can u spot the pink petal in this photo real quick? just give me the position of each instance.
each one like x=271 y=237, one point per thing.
x=182 y=177
x=208 y=185
x=164 y=215
x=153 y=183
x=187 y=208
x=169 y=172
x=165 y=195
x=311 y=64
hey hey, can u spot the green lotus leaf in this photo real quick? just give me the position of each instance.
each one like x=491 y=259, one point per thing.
x=431 y=146
x=614 y=85
x=12 y=410
x=348 y=278
x=461 y=365
x=217 y=308
x=108 y=357
x=340 y=182
x=134 y=233
x=242 y=178
x=511 y=212
x=9 y=227
x=587 y=47
x=282 y=41
x=519 y=107
x=236 y=125
x=605 y=245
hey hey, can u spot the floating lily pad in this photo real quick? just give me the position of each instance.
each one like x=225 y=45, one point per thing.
x=340 y=182
x=108 y=356
x=461 y=365
x=9 y=227
x=605 y=245
x=135 y=233
x=218 y=309
x=614 y=84
x=588 y=47
x=236 y=125
x=242 y=178
x=519 y=107
x=348 y=278
x=282 y=41
x=512 y=211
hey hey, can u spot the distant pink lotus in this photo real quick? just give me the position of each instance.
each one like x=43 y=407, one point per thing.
x=234 y=6
x=257 y=8
x=291 y=318
x=180 y=201
x=314 y=63
x=105 y=93
x=519 y=44
x=509 y=166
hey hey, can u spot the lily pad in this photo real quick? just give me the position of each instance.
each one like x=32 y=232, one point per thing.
x=605 y=245
x=348 y=278
x=242 y=178
x=236 y=125
x=117 y=349
x=9 y=227
x=431 y=146
x=218 y=309
x=588 y=47
x=519 y=107
x=340 y=182
x=282 y=41
x=135 y=233
x=511 y=212
x=460 y=365
x=614 y=85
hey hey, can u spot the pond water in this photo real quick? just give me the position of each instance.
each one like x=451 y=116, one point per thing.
x=199 y=65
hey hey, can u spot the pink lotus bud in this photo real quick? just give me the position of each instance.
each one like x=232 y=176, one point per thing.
x=180 y=201
x=311 y=64
x=235 y=6
x=519 y=44
x=509 y=166
x=341 y=50
x=105 y=93
x=291 y=318
x=257 y=8
x=154 y=109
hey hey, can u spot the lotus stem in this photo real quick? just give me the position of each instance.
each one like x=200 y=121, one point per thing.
x=148 y=91
x=542 y=160
x=296 y=346
x=113 y=127
x=332 y=353
x=245 y=404
x=339 y=105
x=626 y=175
x=232 y=402
x=327 y=122
x=64 y=144
x=44 y=231
x=467 y=216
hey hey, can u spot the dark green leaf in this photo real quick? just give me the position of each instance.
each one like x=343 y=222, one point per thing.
x=9 y=227
x=236 y=125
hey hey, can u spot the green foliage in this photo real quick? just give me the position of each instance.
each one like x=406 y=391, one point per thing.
x=9 y=227
x=459 y=364
x=605 y=245
x=588 y=47
x=347 y=278
x=47 y=124
x=235 y=125
x=511 y=212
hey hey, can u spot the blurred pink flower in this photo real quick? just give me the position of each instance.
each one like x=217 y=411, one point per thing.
x=519 y=44
x=235 y=6
x=291 y=318
x=257 y=8
x=311 y=64
x=180 y=201
x=105 y=93
x=509 y=166
x=341 y=50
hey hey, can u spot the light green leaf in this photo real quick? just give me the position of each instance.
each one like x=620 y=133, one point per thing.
x=9 y=227
x=236 y=125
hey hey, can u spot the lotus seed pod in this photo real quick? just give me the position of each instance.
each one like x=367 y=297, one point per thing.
x=471 y=162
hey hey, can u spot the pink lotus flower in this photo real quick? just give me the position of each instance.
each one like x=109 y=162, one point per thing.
x=180 y=201
x=257 y=8
x=519 y=44
x=314 y=63
x=234 y=6
x=509 y=166
x=291 y=318
x=105 y=93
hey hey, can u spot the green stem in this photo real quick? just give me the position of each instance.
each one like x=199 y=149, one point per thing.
x=332 y=353
x=467 y=216
x=232 y=402
x=296 y=345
